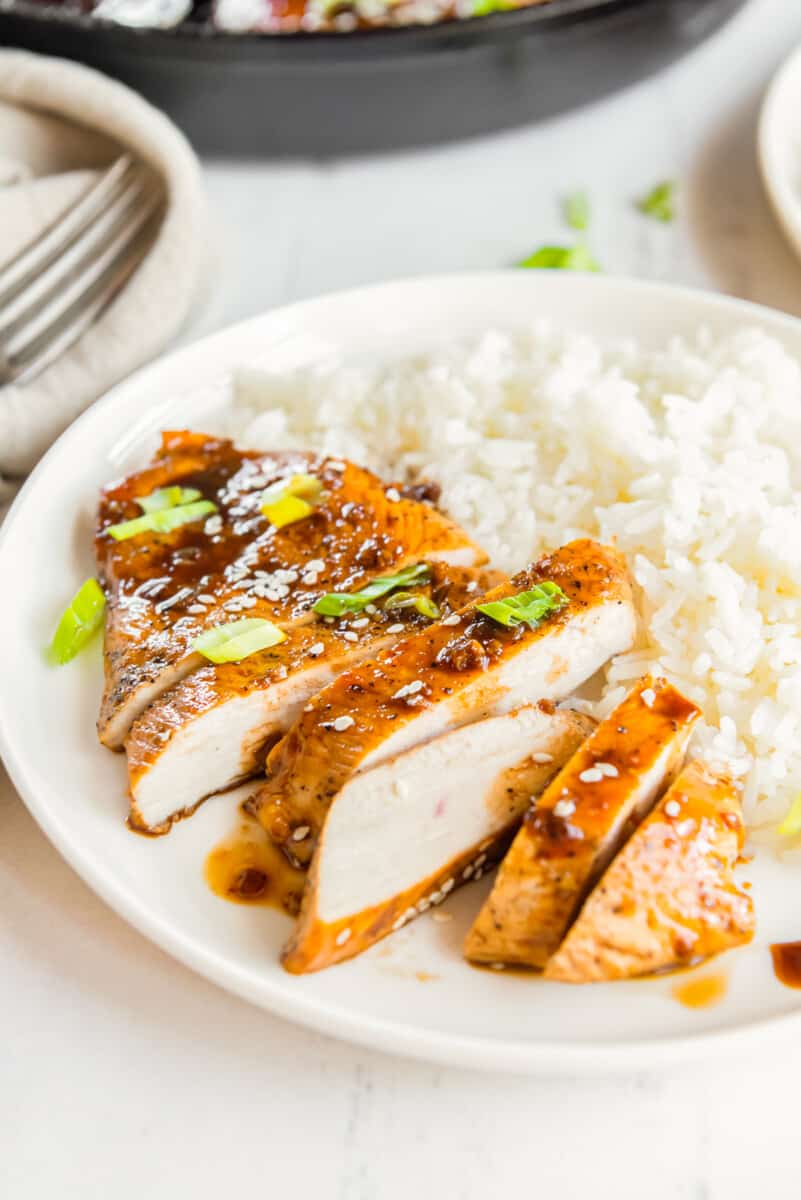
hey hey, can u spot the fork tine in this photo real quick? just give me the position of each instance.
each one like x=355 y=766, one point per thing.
x=63 y=323
x=56 y=238
x=75 y=261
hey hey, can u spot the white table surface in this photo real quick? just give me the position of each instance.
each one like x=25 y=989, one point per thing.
x=123 y=1075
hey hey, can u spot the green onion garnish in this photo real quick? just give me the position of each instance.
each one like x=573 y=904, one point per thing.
x=577 y=210
x=561 y=258
x=82 y=617
x=484 y=8
x=290 y=500
x=416 y=600
x=163 y=520
x=336 y=604
x=529 y=607
x=660 y=203
x=237 y=639
x=168 y=497
x=791 y=825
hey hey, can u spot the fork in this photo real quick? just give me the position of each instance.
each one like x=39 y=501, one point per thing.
x=61 y=282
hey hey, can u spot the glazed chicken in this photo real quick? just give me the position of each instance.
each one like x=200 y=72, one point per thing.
x=164 y=589
x=669 y=898
x=213 y=729
x=573 y=831
x=460 y=670
x=402 y=836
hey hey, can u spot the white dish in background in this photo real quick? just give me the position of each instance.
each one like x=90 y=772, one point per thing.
x=779 y=147
x=412 y=994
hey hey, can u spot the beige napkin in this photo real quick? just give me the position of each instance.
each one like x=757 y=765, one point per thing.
x=60 y=124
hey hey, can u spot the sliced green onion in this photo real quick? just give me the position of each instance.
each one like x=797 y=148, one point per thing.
x=484 y=8
x=287 y=511
x=336 y=604
x=577 y=210
x=82 y=617
x=526 y=607
x=416 y=600
x=163 y=520
x=561 y=258
x=238 y=639
x=791 y=825
x=168 y=497
x=660 y=203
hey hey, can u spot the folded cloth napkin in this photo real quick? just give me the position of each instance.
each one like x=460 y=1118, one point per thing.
x=60 y=125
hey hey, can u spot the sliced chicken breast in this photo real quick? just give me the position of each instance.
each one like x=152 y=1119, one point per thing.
x=400 y=837
x=164 y=589
x=669 y=897
x=458 y=671
x=579 y=823
x=214 y=728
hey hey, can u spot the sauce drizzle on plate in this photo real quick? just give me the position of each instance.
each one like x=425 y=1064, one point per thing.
x=248 y=868
x=703 y=992
x=787 y=963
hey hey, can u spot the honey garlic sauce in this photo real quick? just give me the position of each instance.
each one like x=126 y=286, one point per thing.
x=787 y=963
x=703 y=992
x=248 y=868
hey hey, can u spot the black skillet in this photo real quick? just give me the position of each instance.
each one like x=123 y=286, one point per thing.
x=384 y=89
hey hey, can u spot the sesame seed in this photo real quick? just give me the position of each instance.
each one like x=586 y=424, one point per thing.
x=423 y=905
x=479 y=873
x=392 y=494
x=672 y=808
x=498 y=966
x=436 y=897
x=350 y=636
x=316 y=564
x=685 y=827
x=342 y=937
x=371 y=609
x=482 y=858
x=309 y=708
x=309 y=579
x=336 y=466
x=440 y=916
x=317 y=649
x=409 y=689
x=472 y=586
x=541 y=757
x=411 y=912
x=205 y=598
x=448 y=886
x=468 y=871
x=453 y=619
x=608 y=769
x=213 y=525
x=648 y=697
x=248 y=602
x=180 y=595
x=401 y=921
x=591 y=775
x=564 y=808
x=360 y=624
x=343 y=723
x=395 y=628
x=196 y=608
x=302 y=832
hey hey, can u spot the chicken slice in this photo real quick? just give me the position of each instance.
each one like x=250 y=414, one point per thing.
x=669 y=897
x=213 y=729
x=579 y=823
x=400 y=837
x=164 y=589
x=458 y=671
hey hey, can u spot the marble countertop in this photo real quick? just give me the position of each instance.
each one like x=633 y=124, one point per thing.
x=122 y=1074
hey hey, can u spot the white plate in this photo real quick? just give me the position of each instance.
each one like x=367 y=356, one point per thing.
x=779 y=147
x=75 y=789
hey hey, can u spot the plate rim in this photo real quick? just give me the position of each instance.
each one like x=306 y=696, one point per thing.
x=786 y=205
x=332 y=1018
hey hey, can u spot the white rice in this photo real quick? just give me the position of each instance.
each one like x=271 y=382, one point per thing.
x=688 y=456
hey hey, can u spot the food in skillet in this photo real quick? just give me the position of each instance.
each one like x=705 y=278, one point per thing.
x=286 y=16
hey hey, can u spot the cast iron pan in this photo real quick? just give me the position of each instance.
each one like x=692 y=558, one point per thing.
x=332 y=94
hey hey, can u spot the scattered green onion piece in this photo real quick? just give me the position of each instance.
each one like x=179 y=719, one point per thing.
x=287 y=511
x=791 y=825
x=530 y=607
x=82 y=617
x=163 y=520
x=660 y=203
x=577 y=210
x=416 y=600
x=336 y=604
x=484 y=8
x=168 y=497
x=238 y=639
x=561 y=258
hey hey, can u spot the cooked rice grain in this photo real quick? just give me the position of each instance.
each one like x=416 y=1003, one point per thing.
x=689 y=456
